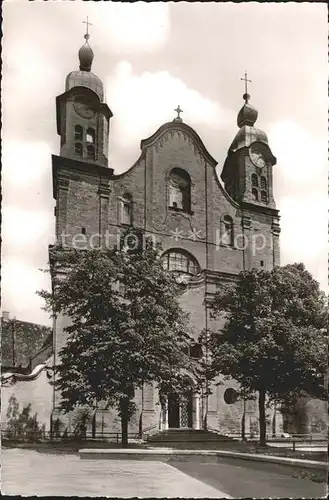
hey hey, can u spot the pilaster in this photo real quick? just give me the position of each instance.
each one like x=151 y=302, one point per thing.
x=63 y=184
x=275 y=241
x=246 y=231
x=104 y=196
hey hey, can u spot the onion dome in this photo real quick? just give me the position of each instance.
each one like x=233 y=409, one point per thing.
x=247 y=114
x=86 y=56
x=84 y=77
x=247 y=134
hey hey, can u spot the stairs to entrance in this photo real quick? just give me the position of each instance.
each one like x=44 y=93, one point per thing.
x=177 y=436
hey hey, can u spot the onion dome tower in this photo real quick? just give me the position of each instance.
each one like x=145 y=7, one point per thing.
x=247 y=172
x=83 y=118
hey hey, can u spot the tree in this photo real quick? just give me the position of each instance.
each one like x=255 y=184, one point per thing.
x=20 y=424
x=274 y=338
x=127 y=328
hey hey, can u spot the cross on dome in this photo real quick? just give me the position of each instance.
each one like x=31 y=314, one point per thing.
x=87 y=36
x=246 y=96
x=86 y=55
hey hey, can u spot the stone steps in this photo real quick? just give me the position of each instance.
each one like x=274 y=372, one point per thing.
x=186 y=435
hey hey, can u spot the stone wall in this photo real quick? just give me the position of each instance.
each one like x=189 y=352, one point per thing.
x=38 y=392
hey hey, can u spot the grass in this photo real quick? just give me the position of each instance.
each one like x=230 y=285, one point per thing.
x=249 y=447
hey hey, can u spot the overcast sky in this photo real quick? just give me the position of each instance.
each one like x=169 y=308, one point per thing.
x=152 y=57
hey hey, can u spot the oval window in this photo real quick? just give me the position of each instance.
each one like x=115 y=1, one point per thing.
x=230 y=396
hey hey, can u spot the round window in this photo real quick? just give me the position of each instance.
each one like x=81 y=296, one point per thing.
x=230 y=396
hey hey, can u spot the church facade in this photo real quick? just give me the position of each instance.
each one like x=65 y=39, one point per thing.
x=209 y=229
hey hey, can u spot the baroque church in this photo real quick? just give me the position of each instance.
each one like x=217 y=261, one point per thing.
x=209 y=230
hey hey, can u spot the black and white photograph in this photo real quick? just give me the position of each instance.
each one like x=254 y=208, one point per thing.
x=164 y=277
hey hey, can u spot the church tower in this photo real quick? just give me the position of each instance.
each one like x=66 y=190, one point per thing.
x=247 y=172
x=83 y=118
x=81 y=174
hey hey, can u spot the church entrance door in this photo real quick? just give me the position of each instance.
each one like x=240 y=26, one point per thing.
x=180 y=411
x=173 y=411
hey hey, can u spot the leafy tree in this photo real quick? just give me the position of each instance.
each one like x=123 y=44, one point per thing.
x=274 y=340
x=80 y=422
x=20 y=425
x=127 y=328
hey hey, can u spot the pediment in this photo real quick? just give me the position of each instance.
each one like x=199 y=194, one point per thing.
x=184 y=133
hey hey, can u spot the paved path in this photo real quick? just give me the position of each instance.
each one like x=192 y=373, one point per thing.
x=28 y=472
x=243 y=478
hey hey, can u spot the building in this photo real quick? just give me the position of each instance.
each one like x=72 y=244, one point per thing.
x=22 y=343
x=209 y=230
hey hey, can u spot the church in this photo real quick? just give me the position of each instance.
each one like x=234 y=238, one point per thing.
x=209 y=229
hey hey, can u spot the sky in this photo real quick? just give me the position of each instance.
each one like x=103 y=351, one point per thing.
x=152 y=57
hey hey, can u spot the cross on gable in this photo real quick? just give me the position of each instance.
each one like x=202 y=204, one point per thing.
x=178 y=111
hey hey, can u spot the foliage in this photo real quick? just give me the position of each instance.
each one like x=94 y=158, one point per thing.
x=274 y=339
x=80 y=420
x=20 y=425
x=127 y=328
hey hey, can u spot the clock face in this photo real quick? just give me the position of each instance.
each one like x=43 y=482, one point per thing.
x=83 y=108
x=257 y=157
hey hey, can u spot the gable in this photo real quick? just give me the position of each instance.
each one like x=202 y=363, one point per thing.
x=180 y=132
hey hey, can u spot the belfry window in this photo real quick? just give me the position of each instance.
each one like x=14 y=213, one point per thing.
x=180 y=261
x=78 y=149
x=126 y=209
x=78 y=133
x=263 y=196
x=227 y=236
x=90 y=136
x=91 y=152
x=254 y=194
x=254 y=180
x=263 y=183
x=180 y=190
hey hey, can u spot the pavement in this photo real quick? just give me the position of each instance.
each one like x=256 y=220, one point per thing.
x=29 y=472
x=248 y=479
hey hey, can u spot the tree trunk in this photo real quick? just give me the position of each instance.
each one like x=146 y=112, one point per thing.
x=262 y=418
x=124 y=405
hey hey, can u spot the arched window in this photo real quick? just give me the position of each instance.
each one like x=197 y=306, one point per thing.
x=254 y=180
x=180 y=261
x=78 y=133
x=263 y=196
x=227 y=235
x=254 y=193
x=263 y=183
x=90 y=136
x=78 y=149
x=126 y=209
x=91 y=152
x=179 y=190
